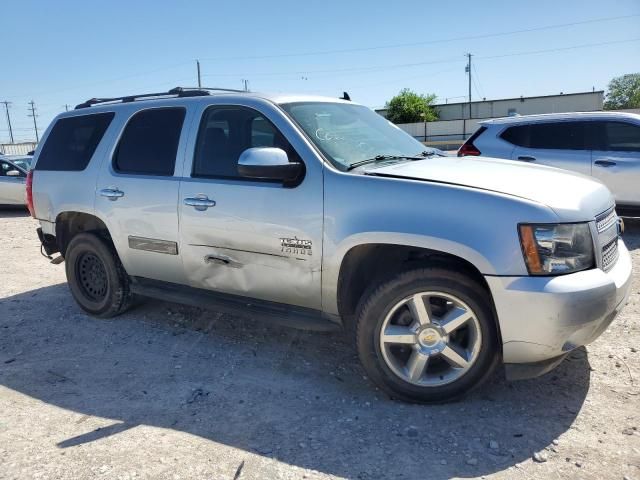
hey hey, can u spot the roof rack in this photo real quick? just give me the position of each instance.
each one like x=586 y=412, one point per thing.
x=174 y=92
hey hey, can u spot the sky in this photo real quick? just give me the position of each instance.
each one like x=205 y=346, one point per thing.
x=64 y=52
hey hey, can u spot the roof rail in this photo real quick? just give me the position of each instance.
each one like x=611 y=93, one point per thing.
x=174 y=92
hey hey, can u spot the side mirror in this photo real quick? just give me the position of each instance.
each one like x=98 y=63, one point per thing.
x=14 y=173
x=268 y=163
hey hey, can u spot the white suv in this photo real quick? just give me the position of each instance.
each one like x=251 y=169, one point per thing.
x=605 y=145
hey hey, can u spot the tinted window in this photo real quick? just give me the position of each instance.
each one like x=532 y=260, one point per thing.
x=560 y=135
x=72 y=142
x=226 y=132
x=149 y=143
x=517 y=135
x=617 y=136
x=6 y=167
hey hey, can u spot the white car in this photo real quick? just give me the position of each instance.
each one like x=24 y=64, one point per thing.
x=604 y=145
x=13 y=173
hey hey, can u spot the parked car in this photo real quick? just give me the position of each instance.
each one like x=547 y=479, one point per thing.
x=319 y=213
x=23 y=161
x=604 y=145
x=12 y=182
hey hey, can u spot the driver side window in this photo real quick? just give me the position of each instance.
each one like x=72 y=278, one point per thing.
x=226 y=132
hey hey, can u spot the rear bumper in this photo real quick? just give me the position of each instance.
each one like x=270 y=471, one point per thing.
x=543 y=318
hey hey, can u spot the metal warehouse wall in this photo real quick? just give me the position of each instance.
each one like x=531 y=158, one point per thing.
x=572 y=102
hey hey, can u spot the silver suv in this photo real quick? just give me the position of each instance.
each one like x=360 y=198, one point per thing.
x=604 y=145
x=319 y=213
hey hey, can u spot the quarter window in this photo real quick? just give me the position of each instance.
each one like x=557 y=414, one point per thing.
x=72 y=142
x=149 y=143
x=226 y=132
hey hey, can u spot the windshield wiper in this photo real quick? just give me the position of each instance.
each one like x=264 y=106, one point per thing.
x=379 y=158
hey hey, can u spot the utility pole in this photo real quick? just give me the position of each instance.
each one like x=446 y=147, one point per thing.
x=34 y=115
x=468 y=69
x=198 y=66
x=6 y=109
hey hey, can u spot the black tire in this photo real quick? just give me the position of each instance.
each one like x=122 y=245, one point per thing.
x=376 y=305
x=96 y=278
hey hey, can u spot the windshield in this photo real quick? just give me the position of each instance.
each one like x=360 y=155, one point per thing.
x=347 y=134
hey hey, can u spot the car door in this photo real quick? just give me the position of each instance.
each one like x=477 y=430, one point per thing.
x=241 y=236
x=616 y=159
x=11 y=187
x=560 y=144
x=137 y=191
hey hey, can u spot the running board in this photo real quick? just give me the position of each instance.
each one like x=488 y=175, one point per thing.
x=276 y=313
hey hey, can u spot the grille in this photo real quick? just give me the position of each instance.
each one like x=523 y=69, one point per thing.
x=606 y=219
x=609 y=254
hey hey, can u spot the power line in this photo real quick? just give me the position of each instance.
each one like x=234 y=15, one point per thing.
x=427 y=42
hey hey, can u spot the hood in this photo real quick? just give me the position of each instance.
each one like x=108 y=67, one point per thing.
x=572 y=196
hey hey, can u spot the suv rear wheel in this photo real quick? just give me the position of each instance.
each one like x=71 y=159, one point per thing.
x=427 y=335
x=97 y=279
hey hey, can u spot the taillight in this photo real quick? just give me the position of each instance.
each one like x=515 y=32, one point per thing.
x=468 y=149
x=29 y=193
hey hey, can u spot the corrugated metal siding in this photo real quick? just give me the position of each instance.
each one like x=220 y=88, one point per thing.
x=17 y=148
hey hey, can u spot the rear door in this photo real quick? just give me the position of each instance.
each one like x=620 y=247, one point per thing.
x=11 y=187
x=137 y=191
x=616 y=159
x=560 y=144
x=256 y=239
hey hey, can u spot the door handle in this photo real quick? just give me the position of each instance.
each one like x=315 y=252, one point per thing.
x=605 y=163
x=200 y=202
x=527 y=158
x=111 y=193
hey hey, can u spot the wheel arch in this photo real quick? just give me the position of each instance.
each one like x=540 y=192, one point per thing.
x=70 y=223
x=366 y=265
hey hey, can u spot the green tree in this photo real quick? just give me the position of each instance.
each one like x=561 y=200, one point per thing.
x=411 y=107
x=623 y=92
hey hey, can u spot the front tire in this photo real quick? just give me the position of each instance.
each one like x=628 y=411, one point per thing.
x=427 y=335
x=96 y=278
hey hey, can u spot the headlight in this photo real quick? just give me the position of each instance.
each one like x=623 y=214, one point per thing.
x=556 y=249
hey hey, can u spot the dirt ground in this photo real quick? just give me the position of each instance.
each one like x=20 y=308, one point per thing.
x=171 y=392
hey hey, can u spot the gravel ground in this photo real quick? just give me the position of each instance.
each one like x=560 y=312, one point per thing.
x=167 y=391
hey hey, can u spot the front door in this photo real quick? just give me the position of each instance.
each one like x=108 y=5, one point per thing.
x=137 y=192
x=241 y=236
x=616 y=159
x=11 y=185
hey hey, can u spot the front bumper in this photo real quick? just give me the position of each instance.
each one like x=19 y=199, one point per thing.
x=544 y=318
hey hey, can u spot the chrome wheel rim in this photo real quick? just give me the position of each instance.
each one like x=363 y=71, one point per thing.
x=430 y=339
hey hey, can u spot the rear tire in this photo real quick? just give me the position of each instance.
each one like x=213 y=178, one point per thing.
x=96 y=278
x=427 y=353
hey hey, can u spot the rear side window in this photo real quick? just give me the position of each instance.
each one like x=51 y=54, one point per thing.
x=617 y=136
x=552 y=135
x=72 y=142
x=149 y=143
x=558 y=135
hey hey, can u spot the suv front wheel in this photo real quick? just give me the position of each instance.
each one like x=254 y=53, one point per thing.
x=427 y=335
x=97 y=279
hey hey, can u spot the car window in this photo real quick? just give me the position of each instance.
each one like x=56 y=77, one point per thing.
x=518 y=135
x=617 y=136
x=149 y=142
x=7 y=167
x=226 y=132
x=558 y=135
x=72 y=142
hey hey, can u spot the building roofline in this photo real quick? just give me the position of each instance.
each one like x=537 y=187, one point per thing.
x=520 y=98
